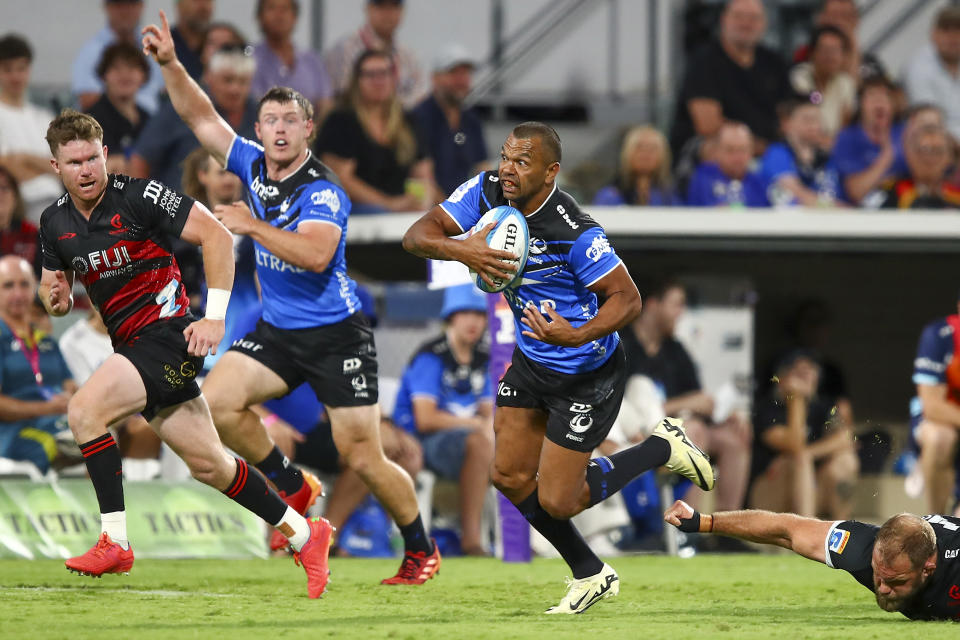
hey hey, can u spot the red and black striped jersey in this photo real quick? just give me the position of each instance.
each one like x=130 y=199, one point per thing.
x=122 y=254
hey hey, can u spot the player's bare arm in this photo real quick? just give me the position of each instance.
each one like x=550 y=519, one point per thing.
x=430 y=237
x=311 y=247
x=205 y=231
x=805 y=536
x=56 y=291
x=621 y=304
x=936 y=407
x=189 y=100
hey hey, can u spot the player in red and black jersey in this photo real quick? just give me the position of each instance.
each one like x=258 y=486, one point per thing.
x=910 y=563
x=113 y=233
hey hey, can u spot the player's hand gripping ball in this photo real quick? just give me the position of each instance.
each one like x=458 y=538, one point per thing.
x=510 y=233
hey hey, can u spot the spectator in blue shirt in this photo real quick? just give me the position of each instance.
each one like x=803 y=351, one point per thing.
x=644 y=175
x=453 y=133
x=728 y=181
x=445 y=398
x=166 y=140
x=797 y=171
x=870 y=150
x=35 y=383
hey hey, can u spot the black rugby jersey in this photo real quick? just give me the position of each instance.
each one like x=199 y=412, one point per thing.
x=122 y=254
x=850 y=547
x=568 y=253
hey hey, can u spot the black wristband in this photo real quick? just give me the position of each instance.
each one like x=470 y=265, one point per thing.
x=691 y=524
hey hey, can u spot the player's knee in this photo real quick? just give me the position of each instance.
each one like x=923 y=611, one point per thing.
x=939 y=441
x=509 y=481
x=83 y=420
x=206 y=471
x=559 y=507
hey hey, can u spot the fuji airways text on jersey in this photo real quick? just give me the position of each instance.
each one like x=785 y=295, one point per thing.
x=106 y=259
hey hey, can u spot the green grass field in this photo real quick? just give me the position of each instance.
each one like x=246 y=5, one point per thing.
x=755 y=596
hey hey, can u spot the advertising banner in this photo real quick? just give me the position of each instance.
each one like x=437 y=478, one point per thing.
x=164 y=520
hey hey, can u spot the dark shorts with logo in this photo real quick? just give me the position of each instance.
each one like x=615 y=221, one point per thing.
x=338 y=360
x=169 y=373
x=580 y=407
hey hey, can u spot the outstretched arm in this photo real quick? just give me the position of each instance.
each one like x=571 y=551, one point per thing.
x=189 y=100
x=805 y=536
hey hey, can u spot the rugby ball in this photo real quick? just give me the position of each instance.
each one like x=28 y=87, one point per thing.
x=510 y=233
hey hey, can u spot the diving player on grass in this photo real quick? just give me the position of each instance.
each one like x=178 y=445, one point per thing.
x=113 y=233
x=910 y=563
x=312 y=328
x=562 y=392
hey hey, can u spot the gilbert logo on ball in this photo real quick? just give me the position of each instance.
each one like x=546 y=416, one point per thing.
x=510 y=234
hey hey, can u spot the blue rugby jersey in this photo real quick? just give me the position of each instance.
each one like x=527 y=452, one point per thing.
x=568 y=253
x=295 y=298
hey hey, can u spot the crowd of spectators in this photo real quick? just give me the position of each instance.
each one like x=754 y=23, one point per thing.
x=830 y=127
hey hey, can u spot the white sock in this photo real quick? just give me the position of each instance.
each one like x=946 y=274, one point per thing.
x=301 y=530
x=114 y=524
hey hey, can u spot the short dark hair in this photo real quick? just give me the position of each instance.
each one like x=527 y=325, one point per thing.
x=658 y=289
x=284 y=95
x=908 y=534
x=545 y=133
x=123 y=52
x=947 y=18
x=876 y=80
x=828 y=30
x=260 y=3
x=788 y=107
x=13 y=46
x=72 y=125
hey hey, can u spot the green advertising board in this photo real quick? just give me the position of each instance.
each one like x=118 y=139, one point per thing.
x=164 y=520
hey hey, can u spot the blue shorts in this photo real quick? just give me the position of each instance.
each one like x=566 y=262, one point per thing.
x=32 y=440
x=444 y=451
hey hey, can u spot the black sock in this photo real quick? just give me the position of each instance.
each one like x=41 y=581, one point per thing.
x=250 y=491
x=415 y=538
x=563 y=536
x=607 y=475
x=281 y=472
x=102 y=457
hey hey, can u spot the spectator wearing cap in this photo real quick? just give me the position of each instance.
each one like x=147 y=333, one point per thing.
x=453 y=134
x=23 y=127
x=824 y=78
x=732 y=78
x=281 y=64
x=189 y=32
x=929 y=154
x=166 y=140
x=728 y=180
x=933 y=75
x=870 y=150
x=123 y=25
x=804 y=460
x=378 y=34
x=123 y=70
x=644 y=177
x=445 y=398
x=798 y=171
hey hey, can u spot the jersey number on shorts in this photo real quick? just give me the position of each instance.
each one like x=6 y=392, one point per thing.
x=168 y=298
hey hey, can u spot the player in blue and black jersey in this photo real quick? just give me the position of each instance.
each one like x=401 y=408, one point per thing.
x=562 y=392
x=312 y=329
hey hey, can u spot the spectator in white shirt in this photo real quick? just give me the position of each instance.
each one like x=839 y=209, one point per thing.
x=933 y=75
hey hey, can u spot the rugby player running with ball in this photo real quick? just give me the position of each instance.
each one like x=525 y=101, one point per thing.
x=562 y=392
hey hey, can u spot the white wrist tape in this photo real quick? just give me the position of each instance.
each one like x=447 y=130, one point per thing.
x=217 y=301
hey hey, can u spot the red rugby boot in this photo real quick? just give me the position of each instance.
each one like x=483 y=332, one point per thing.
x=300 y=501
x=417 y=568
x=105 y=557
x=313 y=556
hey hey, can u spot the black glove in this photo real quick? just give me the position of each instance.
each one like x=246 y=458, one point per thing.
x=691 y=524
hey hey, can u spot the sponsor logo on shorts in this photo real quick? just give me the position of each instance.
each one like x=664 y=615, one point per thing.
x=506 y=391
x=247 y=345
x=188 y=370
x=570 y=436
x=582 y=420
x=359 y=384
x=173 y=377
x=838 y=541
x=351 y=364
